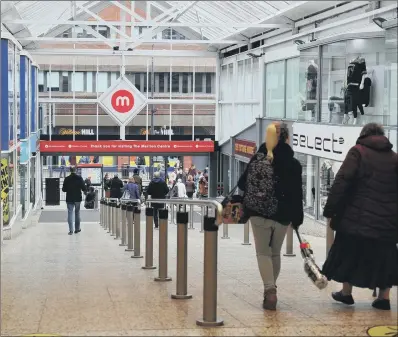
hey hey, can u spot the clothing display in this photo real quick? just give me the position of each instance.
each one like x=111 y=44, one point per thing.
x=312 y=78
x=353 y=100
x=356 y=69
x=365 y=92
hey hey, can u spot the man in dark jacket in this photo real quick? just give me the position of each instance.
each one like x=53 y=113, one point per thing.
x=73 y=186
x=138 y=179
x=116 y=187
x=157 y=189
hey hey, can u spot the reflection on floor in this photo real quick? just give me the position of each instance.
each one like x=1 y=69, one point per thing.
x=86 y=285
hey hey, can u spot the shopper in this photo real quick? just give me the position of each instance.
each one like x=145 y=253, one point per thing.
x=275 y=171
x=88 y=183
x=362 y=209
x=138 y=179
x=204 y=186
x=181 y=190
x=132 y=190
x=73 y=186
x=107 y=185
x=62 y=167
x=192 y=171
x=116 y=187
x=157 y=189
x=90 y=198
x=190 y=187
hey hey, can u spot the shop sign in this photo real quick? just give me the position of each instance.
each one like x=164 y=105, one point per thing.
x=69 y=131
x=122 y=101
x=126 y=146
x=161 y=131
x=245 y=148
x=326 y=141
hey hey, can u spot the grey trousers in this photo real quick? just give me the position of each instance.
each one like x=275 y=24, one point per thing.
x=268 y=237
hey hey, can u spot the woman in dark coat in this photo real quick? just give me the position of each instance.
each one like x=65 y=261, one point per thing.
x=362 y=209
x=116 y=187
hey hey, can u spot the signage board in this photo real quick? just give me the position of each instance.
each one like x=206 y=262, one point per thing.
x=122 y=101
x=69 y=131
x=326 y=141
x=245 y=148
x=126 y=146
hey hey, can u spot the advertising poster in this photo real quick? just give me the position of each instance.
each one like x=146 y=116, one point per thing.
x=5 y=191
x=95 y=174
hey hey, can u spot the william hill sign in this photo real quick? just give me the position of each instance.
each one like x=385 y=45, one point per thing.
x=245 y=148
x=68 y=131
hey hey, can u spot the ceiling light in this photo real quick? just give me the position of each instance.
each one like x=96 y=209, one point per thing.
x=299 y=42
x=379 y=21
x=254 y=55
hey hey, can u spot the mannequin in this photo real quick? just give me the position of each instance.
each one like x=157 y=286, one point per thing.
x=364 y=87
x=312 y=77
x=356 y=73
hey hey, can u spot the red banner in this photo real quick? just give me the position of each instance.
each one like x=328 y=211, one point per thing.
x=245 y=148
x=126 y=146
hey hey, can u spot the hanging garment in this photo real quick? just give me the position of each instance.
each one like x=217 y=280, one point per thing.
x=365 y=92
x=312 y=76
x=353 y=100
x=355 y=70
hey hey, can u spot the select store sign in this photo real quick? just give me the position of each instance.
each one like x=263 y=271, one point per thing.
x=326 y=141
x=245 y=148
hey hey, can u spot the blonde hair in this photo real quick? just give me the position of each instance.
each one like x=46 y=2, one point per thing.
x=131 y=180
x=271 y=140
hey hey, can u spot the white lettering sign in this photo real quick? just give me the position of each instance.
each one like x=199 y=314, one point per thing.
x=326 y=141
x=122 y=101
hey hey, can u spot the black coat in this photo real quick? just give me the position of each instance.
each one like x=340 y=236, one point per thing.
x=289 y=189
x=363 y=200
x=74 y=186
x=116 y=188
x=158 y=189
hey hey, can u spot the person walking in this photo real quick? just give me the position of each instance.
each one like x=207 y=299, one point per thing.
x=89 y=202
x=190 y=187
x=73 y=186
x=116 y=187
x=157 y=189
x=132 y=189
x=362 y=209
x=62 y=167
x=273 y=200
x=138 y=179
x=107 y=185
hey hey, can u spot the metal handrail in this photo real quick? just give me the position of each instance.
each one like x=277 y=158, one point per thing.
x=125 y=201
x=186 y=201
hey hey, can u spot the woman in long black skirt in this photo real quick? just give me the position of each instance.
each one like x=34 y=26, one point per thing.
x=362 y=209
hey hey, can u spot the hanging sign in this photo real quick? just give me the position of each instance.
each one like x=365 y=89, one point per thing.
x=122 y=101
x=126 y=146
x=245 y=148
x=326 y=141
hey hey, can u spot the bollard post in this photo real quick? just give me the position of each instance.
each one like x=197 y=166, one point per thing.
x=246 y=233
x=149 y=239
x=225 y=231
x=289 y=242
x=163 y=251
x=130 y=232
x=329 y=238
x=124 y=225
x=113 y=224
x=96 y=199
x=210 y=275
x=110 y=217
x=182 y=257
x=137 y=233
x=202 y=219
x=191 y=213
x=101 y=212
x=117 y=222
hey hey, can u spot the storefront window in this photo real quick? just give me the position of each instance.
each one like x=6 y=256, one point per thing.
x=293 y=101
x=11 y=90
x=275 y=89
x=11 y=184
x=327 y=172
x=391 y=82
x=309 y=74
x=308 y=164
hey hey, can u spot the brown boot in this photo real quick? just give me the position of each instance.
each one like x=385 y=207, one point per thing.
x=270 y=299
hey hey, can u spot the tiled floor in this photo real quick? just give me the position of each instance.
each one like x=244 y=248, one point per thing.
x=86 y=285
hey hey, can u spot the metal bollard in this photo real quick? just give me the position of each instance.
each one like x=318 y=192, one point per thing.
x=163 y=251
x=149 y=239
x=96 y=199
x=329 y=238
x=191 y=214
x=124 y=225
x=130 y=232
x=202 y=219
x=137 y=233
x=113 y=224
x=182 y=257
x=246 y=233
x=210 y=275
x=225 y=231
x=101 y=211
x=110 y=217
x=117 y=222
x=289 y=242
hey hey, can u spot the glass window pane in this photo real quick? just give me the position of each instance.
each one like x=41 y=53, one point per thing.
x=308 y=179
x=53 y=81
x=78 y=81
x=293 y=99
x=102 y=81
x=275 y=89
x=391 y=82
